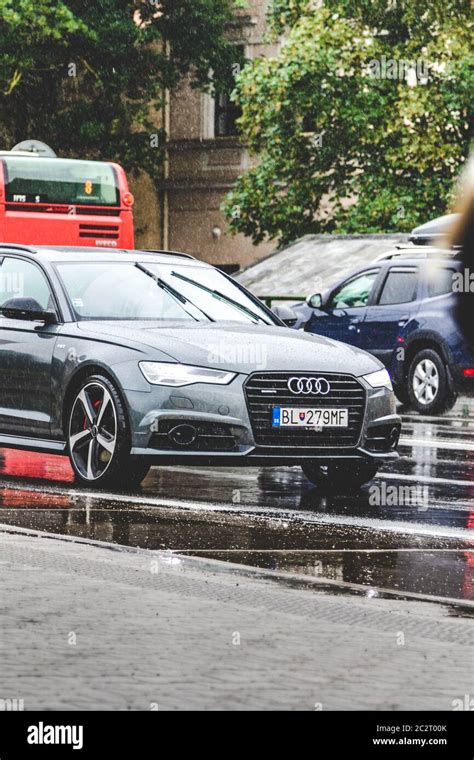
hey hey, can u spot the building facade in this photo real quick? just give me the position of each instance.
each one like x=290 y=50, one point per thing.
x=204 y=158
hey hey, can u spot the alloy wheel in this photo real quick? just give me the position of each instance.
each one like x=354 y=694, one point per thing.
x=425 y=382
x=93 y=431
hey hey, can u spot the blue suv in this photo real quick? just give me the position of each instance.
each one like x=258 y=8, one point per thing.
x=401 y=308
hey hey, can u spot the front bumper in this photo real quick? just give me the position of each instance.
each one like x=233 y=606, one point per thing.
x=211 y=408
x=256 y=458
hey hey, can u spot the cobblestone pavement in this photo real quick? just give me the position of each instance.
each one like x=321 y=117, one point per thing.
x=90 y=626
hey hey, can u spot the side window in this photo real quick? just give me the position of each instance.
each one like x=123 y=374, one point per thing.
x=21 y=279
x=399 y=287
x=354 y=293
x=440 y=281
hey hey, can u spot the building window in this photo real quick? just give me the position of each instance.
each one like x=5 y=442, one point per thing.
x=226 y=112
x=226 y=115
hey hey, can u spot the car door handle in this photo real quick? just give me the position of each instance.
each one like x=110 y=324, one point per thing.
x=402 y=321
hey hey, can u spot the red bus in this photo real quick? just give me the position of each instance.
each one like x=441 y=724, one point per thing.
x=65 y=201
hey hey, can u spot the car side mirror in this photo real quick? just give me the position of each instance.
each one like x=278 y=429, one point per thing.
x=315 y=301
x=28 y=310
x=286 y=314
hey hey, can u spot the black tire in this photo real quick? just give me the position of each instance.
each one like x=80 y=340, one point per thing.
x=341 y=476
x=402 y=394
x=134 y=474
x=428 y=384
x=98 y=437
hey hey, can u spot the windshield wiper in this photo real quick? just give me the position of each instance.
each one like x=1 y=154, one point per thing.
x=222 y=297
x=173 y=292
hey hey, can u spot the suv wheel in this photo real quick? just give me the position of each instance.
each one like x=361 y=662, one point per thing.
x=344 y=476
x=99 y=437
x=428 y=386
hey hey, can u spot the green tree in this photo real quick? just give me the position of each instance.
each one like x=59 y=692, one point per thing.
x=86 y=75
x=360 y=123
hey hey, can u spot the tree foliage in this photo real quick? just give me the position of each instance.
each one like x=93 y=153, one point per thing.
x=362 y=120
x=86 y=75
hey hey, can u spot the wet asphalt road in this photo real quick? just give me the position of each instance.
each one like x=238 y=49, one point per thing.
x=410 y=531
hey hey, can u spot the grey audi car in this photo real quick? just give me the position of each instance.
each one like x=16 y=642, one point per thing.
x=124 y=359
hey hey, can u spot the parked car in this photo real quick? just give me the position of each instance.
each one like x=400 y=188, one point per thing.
x=401 y=308
x=126 y=359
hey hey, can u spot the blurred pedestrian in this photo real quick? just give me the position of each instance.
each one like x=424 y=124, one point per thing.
x=461 y=235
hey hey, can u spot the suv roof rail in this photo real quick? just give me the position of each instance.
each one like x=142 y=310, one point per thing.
x=413 y=253
x=17 y=247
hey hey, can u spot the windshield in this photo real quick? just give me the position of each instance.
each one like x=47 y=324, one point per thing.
x=60 y=180
x=150 y=291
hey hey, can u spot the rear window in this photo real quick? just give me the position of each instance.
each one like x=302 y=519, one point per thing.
x=399 y=287
x=61 y=181
x=440 y=281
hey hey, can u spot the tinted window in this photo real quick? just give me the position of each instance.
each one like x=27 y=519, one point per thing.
x=60 y=180
x=440 y=281
x=21 y=279
x=400 y=287
x=354 y=293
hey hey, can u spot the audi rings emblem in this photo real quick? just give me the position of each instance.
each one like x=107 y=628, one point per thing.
x=316 y=386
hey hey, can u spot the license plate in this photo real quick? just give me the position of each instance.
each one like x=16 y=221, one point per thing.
x=291 y=416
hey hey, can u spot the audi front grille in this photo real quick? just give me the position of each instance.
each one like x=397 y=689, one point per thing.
x=264 y=390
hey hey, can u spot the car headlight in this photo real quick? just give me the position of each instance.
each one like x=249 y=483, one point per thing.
x=379 y=379
x=164 y=373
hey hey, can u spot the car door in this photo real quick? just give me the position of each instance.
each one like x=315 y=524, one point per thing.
x=344 y=311
x=26 y=352
x=395 y=304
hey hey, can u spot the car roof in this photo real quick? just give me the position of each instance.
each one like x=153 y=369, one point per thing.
x=59 y=253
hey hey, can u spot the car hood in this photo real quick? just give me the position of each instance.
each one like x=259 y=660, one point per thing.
x=238 y=347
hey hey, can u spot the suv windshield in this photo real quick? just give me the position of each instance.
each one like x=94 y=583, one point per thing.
x=149 y=291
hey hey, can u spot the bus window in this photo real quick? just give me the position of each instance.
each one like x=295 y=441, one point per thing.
x=69 y=182
x=47 y=201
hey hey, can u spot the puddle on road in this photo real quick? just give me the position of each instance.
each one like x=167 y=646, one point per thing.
x=271 y=538
x=431 y=573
